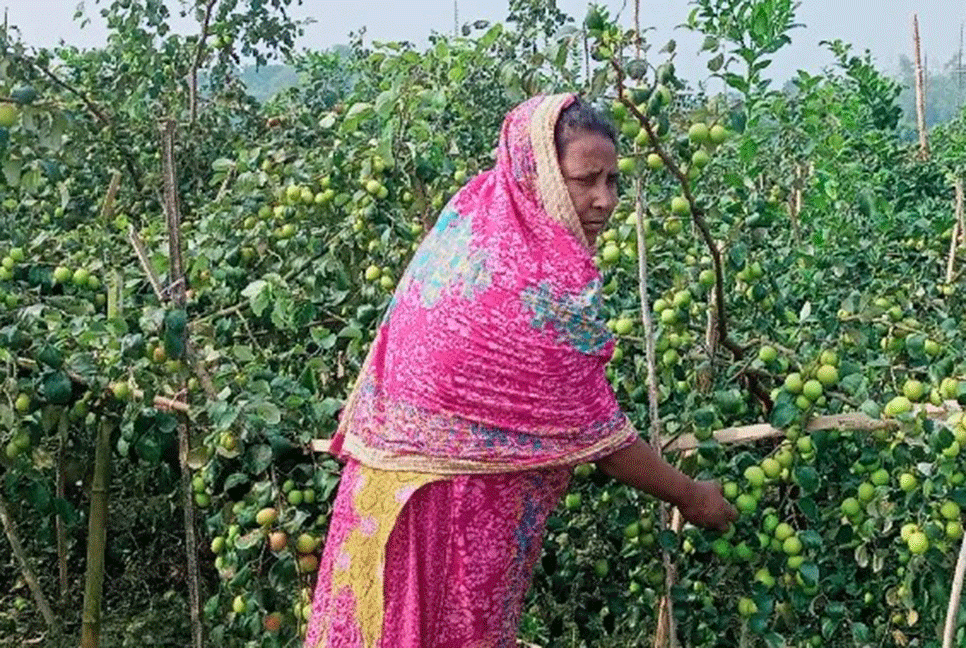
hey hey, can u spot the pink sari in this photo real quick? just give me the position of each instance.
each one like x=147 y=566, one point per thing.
x=484 y=385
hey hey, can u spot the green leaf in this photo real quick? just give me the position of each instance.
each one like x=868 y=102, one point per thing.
x=774 y=640
x=809 y=572
x=268 y=413
x=11 y=171
x=704 y=417
x=148 y=448
x=174 y=344
x=668 y=540
x=39 y=496
x=251 y=539
x=386 y=103
x=829 y=627
x=242 y=353
x=807 y=478
x=282 y=573
x=258 y=458
x=176 y=320
x=58 y=388
x=236 y=479
x=66 y=511
x=783 y=415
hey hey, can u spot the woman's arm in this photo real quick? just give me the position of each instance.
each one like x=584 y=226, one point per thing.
x=640 y=466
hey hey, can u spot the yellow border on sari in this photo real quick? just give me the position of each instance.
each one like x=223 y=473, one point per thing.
x=355 y=447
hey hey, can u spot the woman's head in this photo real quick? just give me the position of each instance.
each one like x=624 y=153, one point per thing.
x=587 y=153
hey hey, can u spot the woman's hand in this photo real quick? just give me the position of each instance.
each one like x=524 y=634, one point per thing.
x=705 y=506
x=701 y=503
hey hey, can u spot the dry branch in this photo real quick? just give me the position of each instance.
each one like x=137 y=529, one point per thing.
x=28 y=574
x=107 y=209
x=199 y=52
x=142 y=255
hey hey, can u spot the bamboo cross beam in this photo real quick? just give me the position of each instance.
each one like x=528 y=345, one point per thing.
x=843 y=422
x=159 y=402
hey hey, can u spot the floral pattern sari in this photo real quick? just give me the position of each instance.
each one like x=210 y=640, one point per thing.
x=484 y=385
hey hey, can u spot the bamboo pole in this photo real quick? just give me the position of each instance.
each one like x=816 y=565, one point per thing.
x=955 y=595
x=97 y=538
x=666 y=634
x=10 y=530
x=61 y=531
x=920 y=90
x=958 y=231
x=177 y=289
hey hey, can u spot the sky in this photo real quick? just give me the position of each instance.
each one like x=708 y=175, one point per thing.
x=882 y=26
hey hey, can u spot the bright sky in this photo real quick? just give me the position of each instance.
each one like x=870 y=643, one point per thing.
x=884 y=26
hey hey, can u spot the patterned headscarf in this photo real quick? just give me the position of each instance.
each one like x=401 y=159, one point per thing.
x=491 y=355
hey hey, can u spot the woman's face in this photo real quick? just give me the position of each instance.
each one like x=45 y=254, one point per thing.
x=589 y=168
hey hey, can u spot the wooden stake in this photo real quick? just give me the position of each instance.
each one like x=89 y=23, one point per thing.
x=176 y=289
x=28 y=574
x=97 y=538
x=920 y=90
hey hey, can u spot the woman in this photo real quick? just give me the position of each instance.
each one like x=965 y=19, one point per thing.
x=484 y=387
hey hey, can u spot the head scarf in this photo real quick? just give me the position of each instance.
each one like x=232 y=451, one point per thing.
x=491 y=355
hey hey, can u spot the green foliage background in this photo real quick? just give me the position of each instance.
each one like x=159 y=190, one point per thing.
x=302 y=207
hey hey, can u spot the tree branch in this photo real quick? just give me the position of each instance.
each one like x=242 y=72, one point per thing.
x=199 y=51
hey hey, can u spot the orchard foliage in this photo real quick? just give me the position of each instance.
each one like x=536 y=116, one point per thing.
x=797 y=252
